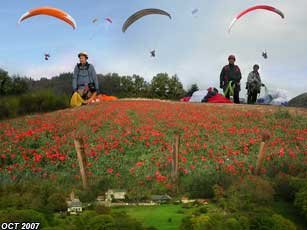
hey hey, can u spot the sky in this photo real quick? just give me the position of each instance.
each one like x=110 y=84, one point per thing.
x=195 y=47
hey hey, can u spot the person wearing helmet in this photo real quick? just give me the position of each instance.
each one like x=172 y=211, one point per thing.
x=253 y=85
x=85 y=80
x=230 y=78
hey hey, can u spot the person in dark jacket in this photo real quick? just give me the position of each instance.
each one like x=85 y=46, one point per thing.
x=253 y=85
x=85 y=80
x=230 y=78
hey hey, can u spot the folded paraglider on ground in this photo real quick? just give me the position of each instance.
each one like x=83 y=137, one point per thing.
x=211 y=95
x=76 y=100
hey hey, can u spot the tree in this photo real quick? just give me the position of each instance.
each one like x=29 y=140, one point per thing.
x=192 y=89
x=159 y=86
x=6 y=83
x=176 y=90
x=19 y=85
x=56 y=202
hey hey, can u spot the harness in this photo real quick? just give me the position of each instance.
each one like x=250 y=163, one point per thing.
x=87 y=66
x=227 y=68
x=229 y=89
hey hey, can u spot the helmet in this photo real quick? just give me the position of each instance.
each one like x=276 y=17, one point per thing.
x=83 y=54
x=256 y=66
x=232 y=57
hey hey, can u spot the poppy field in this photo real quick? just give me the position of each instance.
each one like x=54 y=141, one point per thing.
x=129 y=144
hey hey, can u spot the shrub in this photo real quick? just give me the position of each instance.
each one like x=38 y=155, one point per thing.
x=232 y=224
x=251 y=191
x=281 y=223
x=29 y=103
x=56 y=202
x=101 y=209
x=101 y=222
x=285 y=188
x=123 y=221
x=25 y=216
x=301 y=202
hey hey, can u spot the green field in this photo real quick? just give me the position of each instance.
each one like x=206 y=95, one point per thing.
x=158 y=216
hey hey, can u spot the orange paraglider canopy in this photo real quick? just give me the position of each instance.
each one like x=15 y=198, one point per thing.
x=103 y=97
x=99 y=98
x=50 y=11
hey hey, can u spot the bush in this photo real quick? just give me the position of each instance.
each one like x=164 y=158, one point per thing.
x=25 y=216
x=232 y=224
x=250 y=192
x=35 y=102
x=285 y=188
x=101 y=222
x=101 y=209
x=200 y=211
x=282 y=223
x=56 y=202
x=261 y=221
x=301 y=202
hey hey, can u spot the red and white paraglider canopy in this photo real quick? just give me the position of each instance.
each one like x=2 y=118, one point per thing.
x=259 y=7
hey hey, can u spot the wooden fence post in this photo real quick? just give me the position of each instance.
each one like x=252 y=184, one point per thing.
x=261 y=155
x=79 y=146
x=175 y=160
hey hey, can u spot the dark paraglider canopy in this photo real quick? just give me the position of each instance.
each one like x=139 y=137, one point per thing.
x=265 y=55
x=136 y=16
x=195 y=11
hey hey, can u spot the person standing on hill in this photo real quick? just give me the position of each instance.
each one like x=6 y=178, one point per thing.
x=230 y=78
x=253 y=85
x=85 y=80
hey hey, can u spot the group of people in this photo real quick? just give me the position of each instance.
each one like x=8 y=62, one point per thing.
x=230 y=82
x=85 y=80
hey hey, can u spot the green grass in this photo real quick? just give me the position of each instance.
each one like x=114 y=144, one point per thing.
x=158 y=216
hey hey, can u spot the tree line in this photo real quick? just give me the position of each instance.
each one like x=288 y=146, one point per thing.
x=161 y=86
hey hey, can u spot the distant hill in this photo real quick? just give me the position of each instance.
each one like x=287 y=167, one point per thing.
x=299 y=101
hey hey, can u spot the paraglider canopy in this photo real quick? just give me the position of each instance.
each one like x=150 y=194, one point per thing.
x=259 y=7
x=264 y=55
x=195 y=11
x=136 y=16
x=50 y=11
x=153 y=53
x=108 y=20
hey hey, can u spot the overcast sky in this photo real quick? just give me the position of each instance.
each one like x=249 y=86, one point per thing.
x=195 y=47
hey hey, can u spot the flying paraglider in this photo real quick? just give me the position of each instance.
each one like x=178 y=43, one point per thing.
x=136 y=16
x=259 y=7
x=153 y=53
x=265 y=55
x=108 y=20
x=54 y=12
x=47 y=56
x=195 y=11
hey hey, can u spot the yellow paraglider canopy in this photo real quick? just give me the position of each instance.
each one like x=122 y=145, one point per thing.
x=76 y=100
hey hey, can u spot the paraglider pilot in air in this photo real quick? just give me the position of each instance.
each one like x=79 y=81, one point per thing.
x=47 y=56
x=253 y=85
x=153 y=53
x=85 y=81
x=230 y=78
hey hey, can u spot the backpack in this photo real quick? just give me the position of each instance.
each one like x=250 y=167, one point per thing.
x=91 y=85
